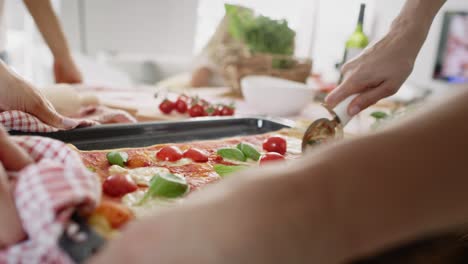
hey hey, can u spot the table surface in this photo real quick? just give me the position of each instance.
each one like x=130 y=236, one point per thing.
x=141 y=102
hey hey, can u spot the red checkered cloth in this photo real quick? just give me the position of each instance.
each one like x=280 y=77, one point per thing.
x=21 y=121
x=46 y=194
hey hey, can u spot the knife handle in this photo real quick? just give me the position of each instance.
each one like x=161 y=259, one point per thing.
x=84 y=242
x=341 y=110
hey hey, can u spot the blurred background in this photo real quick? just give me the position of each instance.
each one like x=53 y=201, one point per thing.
x=119 y=42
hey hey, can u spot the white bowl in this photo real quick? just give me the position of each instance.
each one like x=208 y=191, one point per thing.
x=275 y=96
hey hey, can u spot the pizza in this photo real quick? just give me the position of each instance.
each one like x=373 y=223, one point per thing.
x=137 y=182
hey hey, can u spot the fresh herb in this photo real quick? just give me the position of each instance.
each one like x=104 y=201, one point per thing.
x=379 y=115
x=249 y=151
x=260 y=33
x=224 y=170
x=166 y=186
x=232 y=154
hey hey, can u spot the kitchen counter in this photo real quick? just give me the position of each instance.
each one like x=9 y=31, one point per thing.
x=142 y=103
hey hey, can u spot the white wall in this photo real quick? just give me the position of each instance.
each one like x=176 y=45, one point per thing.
x=167 y=28
x=138 y=26
x=336 y=21
x=69 y=17
x=27 y=53
x=386 y=11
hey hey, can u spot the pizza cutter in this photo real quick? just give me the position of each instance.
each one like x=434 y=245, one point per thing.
x=324 y=129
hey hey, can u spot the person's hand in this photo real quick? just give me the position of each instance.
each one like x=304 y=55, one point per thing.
x=66 y=71
x=201 y=77
x=17 y=94
x=377 y=73
x=12 y=158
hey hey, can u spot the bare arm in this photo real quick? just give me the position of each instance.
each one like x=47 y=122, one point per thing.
x=336 y=204
x=342 y=202
x=49 y=26
x=383 y=67
x=404 y=182
x=369 y=193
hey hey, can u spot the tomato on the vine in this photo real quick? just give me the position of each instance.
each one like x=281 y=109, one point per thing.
x=213 y=110
x=181 y=106
x=197 y=111
x=166 y=106
x=227 y=111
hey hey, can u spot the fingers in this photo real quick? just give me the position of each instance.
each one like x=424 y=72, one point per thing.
x=371 y=97
x=349 y=87
x=40 y=107
x=11 y=231
x=45 y=112
x=12 y=156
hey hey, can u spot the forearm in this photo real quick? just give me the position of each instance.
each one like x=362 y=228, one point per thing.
x=360 y=196
x=413 y=23
x=405 y=182
x=420 y=12
x=49 y=26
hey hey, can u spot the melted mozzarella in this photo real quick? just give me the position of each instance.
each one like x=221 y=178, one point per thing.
x=141 y=176
x=249 y=162
x=148 y=208
x=180 y=162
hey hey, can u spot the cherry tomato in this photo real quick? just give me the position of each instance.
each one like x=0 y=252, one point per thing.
x=271 y=157
x=227 y=111
x=138 y=161
x=213 y=110
x=196 y=155
x=167 y=106
x=275 y=144
x=216 y=112
x=196 y=111
x=181 y=106
x=169 y=153
x=118 y=185
x=218 y=159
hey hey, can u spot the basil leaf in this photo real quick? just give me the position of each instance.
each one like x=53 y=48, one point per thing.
x=224 y=170
x=232 y=154
x=379 y=115
x=249 y=151
x=166 y=186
